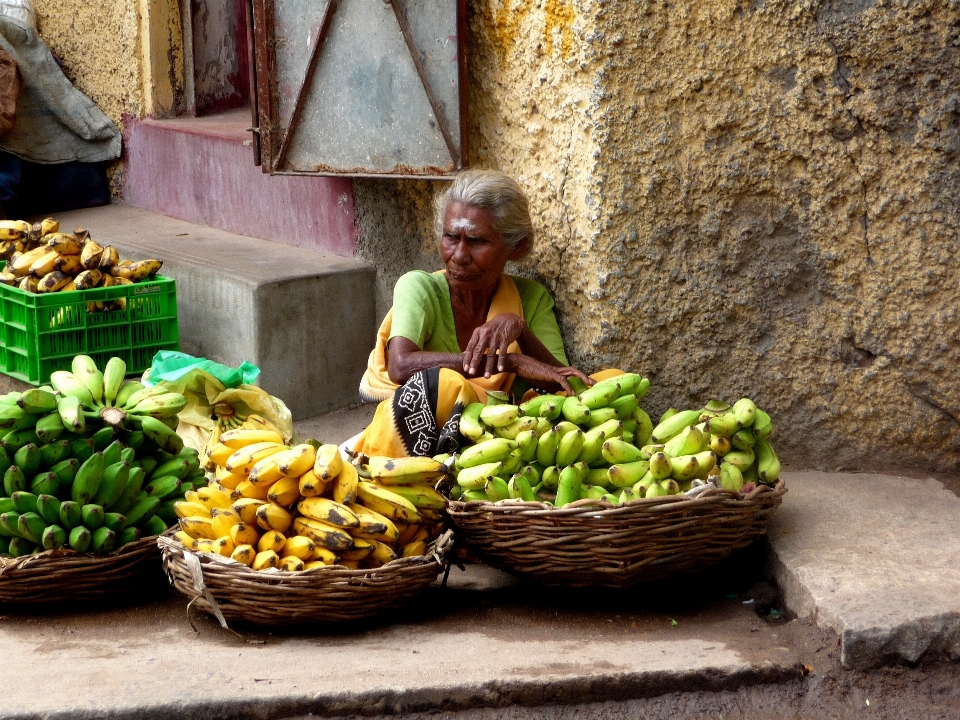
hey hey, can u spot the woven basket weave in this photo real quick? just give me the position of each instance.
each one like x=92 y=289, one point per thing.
x=229 y=590
x=593 y=542
x=66 y=575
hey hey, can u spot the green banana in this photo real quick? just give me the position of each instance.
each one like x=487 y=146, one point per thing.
x=85 y=370
x=27 y=458
x=687 y=442
x=470 y=426
x=53 y=537
x=167 y=511
x=600 y=416
x=142 y=511
x=552 y=408
x=624 y=475
x=720 y=445
x=473 y=495
x=532 y=472
x=512 y=463
x=730 y=477
x=547 y=446
x=70 y=514
x=599 y=476
x=762 y=425
x=706 y=461
x=499 y=415
x=102 y=540
x=768 y=464
x=550 y=478
x=660 y=465
x=592 y=492
x=159 y=406
x=673 y=425
x=128 y=455
x=531 y=407
x=87 y=481
x=684 y=467
x=131 y=493
x=600 y=395
x=154 y=526
x=8 y=523
x=103 y=438
x=565 y=426
x=161 y=435
x=724 y=425
x=640 y=487
x=79 y=539
x=82 y=449
x=569 y=486
x=575 y=411
x=475 y=478
x=178 y=467
x=20 y=547
x=488 y=451
x=626 y=406
x=745 y=411
x=592 y=445
x=647 y=451
x=68 y=385
x=54 y=452
x=113 y=374
x=46 y=483
x=163 y=487
x=743 y=439
x=113 y=483
x=111 y=453
x=633 y=384
x=37 y=402
x=610 y=428
x=670 y=486
x=91 y=516
x=66 y=471
x=656 y=490
x=48 y=507
x=568 y=448
x=524 y=488
x=527 y=442
x=628 y=495
x=7 y=505
x=519 y=425
x=14 y=480
x=616 y=451
x=24 y=502
x=134 y=439
x=127 y=390
x=129 y=535
x=743 y=459
x=641 y=436
x=15 y=440
x=31 y=527
x=9 y=415
x=497 y=489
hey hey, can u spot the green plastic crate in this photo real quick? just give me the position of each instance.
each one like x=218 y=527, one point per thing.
x=40 y=334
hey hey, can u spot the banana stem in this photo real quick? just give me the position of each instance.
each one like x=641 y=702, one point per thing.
x=113 y=416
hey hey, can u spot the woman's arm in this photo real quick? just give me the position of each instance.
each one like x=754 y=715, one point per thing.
x=406 y=360
x=494 y=337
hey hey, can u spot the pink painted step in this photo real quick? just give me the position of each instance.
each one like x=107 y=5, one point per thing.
x=201 y=170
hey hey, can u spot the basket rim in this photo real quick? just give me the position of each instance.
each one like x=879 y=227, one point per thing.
x=435 y=553
x=601 y=508
x=77 y=559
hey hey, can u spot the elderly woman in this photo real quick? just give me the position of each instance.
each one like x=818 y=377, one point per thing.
x=453 y=336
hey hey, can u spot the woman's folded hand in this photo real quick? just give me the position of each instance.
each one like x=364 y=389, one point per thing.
x=541 y=375
x=492 y=339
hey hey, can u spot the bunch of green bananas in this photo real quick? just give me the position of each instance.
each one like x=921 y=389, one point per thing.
x=601 y=445
x=69 y=479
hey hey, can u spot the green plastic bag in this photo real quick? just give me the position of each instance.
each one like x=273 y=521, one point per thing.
x=171 y=365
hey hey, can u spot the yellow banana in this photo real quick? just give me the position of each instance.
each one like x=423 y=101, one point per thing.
x=266 y=472
x=373 y=525
x=405 y=470
x=137 y=271
x=47 y=226
x=387 y=503
x=223 y=519
x=406 y=533
x=328 y=463
x=271 y=516
x=258 y=422
x=184 y=538
x=247 y=508
x=69 y=264
x=414 y=549
x=298 y=546
x=324 y=535
x=240 y=438
x=291 y=563
x=297 y=460
x=65 y=244
x=322 y=554
x=20 y=266
x=345 y=484
x=224 y=546
x=311 y=485
x=361 y=548
x=328 y=511
x=246 y=489
x=285 y=491
x=214 y=497
x=20 y=226
x=88 y=279
x=203 y=545
x=29 y=284
x=265 y=560
x=108 y=258
x=245 y=534
x=420 y=535
x=53 y=281
x=244 y=554
x=220 y=453
x=198 y=526
x=382 y=552
x=228 y=479
x=272 y=540
x=45 y=264
x=184 y=508
x=243 y=459
x=90 y=254
x=317 y=564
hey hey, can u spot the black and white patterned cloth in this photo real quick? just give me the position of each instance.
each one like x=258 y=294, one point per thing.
x=415 y=416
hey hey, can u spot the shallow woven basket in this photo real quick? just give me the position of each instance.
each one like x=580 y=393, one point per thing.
x=229 y=590
x=593 y=542
x=66 y=575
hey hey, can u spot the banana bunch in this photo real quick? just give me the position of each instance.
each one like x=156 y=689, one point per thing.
x=303 y=507
x=84 y=485
x=601 y=445
x=84 y=392
x=40 y=259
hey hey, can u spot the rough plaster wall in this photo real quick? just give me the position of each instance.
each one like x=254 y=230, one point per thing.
x=737 y=197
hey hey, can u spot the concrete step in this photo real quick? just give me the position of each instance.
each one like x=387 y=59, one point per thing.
x=874 y=559
x=307 y=319
x=202 y=170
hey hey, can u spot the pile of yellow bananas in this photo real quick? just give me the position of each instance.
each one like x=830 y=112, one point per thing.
x=41 y=259
x=302 y=507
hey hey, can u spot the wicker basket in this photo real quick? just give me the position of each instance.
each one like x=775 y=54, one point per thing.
x=592 y=542
x=231 y=591
x=66 y=575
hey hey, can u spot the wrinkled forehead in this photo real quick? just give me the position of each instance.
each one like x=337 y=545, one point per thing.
x=458 y=224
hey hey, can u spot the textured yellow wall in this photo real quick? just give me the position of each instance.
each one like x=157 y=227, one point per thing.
x=743 y=197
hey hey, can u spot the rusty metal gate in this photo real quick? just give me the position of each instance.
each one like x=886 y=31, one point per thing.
x=359 y=87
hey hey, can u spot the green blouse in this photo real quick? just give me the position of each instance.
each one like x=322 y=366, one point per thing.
x=422 y=313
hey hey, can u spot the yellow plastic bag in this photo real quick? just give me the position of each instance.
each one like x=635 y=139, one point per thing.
x=208 y=399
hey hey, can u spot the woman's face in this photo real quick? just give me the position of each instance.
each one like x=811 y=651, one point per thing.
x=473 y=251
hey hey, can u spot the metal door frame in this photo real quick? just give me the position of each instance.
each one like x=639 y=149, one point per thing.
x=269 y=136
